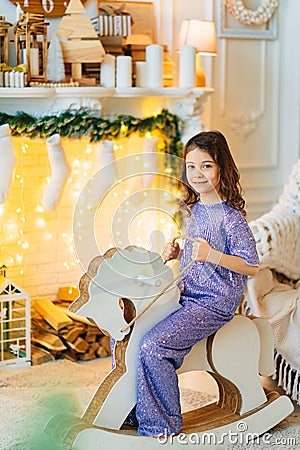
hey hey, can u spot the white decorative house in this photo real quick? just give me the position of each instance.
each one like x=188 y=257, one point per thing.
x=14 y=325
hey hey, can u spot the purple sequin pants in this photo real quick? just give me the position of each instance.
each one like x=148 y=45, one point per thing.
x=162 y=351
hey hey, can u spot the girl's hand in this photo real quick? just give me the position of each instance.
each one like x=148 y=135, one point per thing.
x=200 y=250
x=171 y=251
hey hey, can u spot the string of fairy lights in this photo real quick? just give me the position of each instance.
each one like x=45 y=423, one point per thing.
x=16 y=241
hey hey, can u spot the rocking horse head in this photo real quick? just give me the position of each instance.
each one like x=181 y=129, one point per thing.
x=132 y=275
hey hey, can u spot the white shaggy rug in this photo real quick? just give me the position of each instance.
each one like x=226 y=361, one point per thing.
x=33 y=395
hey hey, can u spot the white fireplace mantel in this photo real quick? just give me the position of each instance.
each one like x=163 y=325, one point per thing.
x=188 y=104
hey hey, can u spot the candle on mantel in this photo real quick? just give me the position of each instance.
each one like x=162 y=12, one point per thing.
x=187 y=66
x=154 y=66
x=19 y=11
x=108 y=71
x=140 y=74
x=124 y=71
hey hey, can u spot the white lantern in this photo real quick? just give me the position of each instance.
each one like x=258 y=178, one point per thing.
x=14 y=325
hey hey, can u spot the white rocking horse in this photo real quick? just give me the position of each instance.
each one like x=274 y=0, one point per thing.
x=126 y=292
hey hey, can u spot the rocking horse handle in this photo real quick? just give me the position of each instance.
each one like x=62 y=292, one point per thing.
x=158 y=296
x=182 y=236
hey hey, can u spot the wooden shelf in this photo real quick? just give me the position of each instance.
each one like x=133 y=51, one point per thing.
x=100 y=92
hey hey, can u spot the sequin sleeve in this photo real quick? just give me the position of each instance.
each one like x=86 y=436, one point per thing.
x=240 y=239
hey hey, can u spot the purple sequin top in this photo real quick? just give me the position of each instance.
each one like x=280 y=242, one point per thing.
x=227 y=231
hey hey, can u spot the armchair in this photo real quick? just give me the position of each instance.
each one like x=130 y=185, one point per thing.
x=274 y=293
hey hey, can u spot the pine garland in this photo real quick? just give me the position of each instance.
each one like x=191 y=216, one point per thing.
x=77 y=124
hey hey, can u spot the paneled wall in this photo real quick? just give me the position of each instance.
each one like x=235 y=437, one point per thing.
x=256 y=104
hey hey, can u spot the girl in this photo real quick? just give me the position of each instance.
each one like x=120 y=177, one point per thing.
x=225 y=254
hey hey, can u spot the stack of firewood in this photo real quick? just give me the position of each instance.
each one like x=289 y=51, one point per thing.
x=57 y=333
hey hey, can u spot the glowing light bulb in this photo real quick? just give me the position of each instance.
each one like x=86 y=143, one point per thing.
x=19 y=258
x=88 y=150
x=39 y=209
x=40 y=223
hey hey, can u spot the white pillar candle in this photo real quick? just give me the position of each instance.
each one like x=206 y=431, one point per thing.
x=24 y=56
x=187 y=66
x=124 y=71
x=6 y=78
x=12 y=79
x=140 y=74
x=1 y=78
x=22 y=79
x=154 y=66
x=34 y=61
x=17 y=79
x=108 y=71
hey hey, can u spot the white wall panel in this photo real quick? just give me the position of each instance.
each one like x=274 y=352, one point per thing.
x=256 y=102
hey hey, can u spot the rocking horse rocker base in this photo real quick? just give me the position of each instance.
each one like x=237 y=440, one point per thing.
x=240 y=429
x=234 y=356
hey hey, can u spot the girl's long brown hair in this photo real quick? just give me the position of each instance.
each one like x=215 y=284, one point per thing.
x=215 y=144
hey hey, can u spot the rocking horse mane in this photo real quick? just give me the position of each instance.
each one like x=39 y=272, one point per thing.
x=87 y=277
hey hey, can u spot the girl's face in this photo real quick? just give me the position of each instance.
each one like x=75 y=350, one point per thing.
x=203 y=174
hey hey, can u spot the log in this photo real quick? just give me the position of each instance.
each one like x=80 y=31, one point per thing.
x=52 y=314
x=40 y=356
x=76 y=317
x=104 y=341
x=71 y=334
x=69 y=354
x=80 y=345
x=102 y=353
x=91 y=352
x=92 y=333
x=50 y=341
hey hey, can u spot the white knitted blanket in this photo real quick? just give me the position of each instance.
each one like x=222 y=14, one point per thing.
x=277 y=235
x=280 y=304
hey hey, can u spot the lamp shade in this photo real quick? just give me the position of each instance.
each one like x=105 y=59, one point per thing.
x=200 y=34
